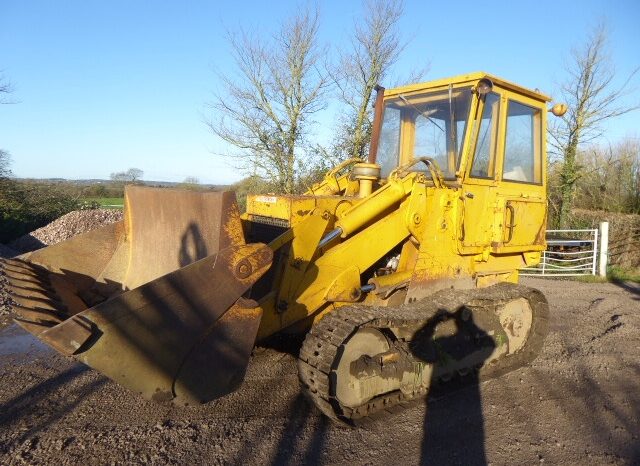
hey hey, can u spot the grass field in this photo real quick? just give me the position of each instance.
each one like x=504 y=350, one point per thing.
x=614 y=274
x=108 y=202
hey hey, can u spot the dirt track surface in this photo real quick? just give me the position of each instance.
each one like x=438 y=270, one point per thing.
x=578 y=403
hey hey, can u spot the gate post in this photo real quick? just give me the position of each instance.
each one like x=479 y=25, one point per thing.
x=604 y=249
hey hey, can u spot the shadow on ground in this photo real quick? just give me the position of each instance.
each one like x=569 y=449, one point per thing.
x=33 y=409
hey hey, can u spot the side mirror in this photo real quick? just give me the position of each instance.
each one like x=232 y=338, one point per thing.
x=559 y=109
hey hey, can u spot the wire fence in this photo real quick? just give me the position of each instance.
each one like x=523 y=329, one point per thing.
x=569 y=253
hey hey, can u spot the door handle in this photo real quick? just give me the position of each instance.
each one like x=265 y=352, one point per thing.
x=512 y=219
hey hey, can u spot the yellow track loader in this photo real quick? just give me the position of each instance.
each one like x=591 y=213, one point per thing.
x=401 y=270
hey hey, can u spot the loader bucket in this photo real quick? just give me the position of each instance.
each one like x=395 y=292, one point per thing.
x=155 y=301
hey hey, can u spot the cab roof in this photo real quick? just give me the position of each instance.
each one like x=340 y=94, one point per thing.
x=469 y=78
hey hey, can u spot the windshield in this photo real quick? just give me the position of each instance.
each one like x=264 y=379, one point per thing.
x=431 y=124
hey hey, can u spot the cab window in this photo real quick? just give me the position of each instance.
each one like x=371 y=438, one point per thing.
x=424 y=124
x=485 y=154
x=522 y=154
x=439 y=128
x=389 y=145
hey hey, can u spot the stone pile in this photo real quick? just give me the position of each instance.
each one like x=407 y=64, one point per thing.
x=65 y=227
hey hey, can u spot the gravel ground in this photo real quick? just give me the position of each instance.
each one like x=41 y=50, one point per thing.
x=578 y=403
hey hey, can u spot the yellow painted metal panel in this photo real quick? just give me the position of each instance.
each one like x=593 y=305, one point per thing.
x=463 y=80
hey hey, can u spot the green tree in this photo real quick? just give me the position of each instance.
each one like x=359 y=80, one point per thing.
x=250 y=185
x=27 y=206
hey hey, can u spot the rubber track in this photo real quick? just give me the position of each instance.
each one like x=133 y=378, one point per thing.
x=323 y=345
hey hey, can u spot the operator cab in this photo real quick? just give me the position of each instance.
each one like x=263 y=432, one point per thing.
x=475 y=127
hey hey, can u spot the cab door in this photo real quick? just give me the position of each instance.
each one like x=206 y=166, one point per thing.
x=521 y=190
x=479 y=187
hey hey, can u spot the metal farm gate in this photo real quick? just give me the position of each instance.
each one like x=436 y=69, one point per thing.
x=569 y=253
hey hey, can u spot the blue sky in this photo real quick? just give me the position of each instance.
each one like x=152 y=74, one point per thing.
x=105 y=86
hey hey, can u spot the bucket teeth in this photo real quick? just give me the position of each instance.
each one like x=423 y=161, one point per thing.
x=24 y=270
x=38 y=314
x=33 y=302
x=23 y=274
x=36 y=305
x=33 y=292
x=35 y=328
x=30 y=284
x=21 y=264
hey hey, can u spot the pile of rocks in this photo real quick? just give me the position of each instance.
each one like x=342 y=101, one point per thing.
x=67 y=226
x=71 y=224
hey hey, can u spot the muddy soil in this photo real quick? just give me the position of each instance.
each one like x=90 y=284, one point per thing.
x=578 y=403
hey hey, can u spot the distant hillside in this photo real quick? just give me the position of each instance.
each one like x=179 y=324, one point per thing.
x=93 y=181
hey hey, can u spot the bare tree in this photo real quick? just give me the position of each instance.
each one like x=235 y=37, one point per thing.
x=265 y=107
x=5 y=158
x=135 y=174
x=592 y=96
x=130 y=176
x=190 y=182
x=610 y=178
x=5 y=88
x=119 y=177
x=5 y=162
x=375 y=47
